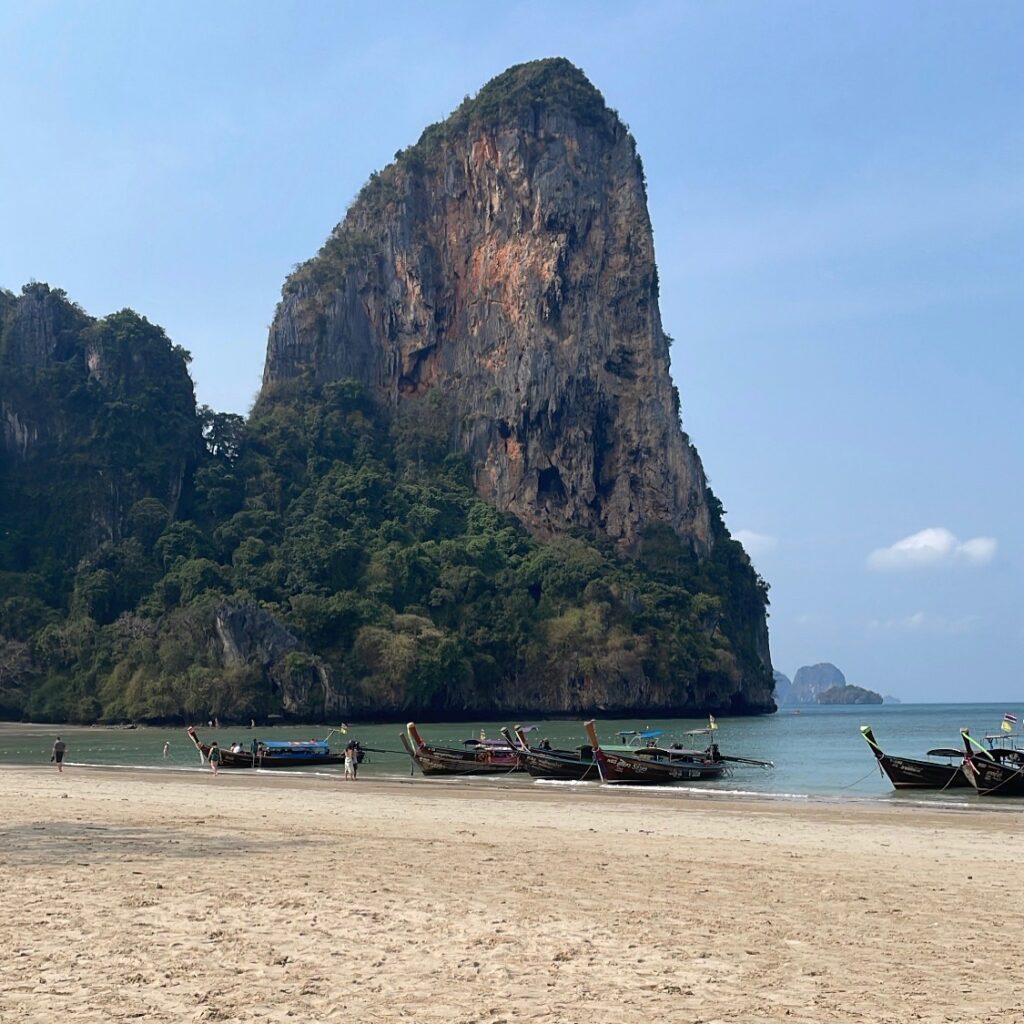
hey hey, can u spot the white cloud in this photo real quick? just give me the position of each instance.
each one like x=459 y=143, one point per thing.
x=755 y=543
x=935 y=546
x=925 y=622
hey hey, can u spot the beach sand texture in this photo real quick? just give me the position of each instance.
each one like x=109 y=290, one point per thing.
x=135 y=896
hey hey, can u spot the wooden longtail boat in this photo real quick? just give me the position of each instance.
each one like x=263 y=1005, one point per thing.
x=578 y=765
x=996 y=770
x=275 y=753
x=655 y=765
x=476 y=757
x=908 y=773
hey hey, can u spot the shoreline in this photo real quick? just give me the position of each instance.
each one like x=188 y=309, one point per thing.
x=892 y=803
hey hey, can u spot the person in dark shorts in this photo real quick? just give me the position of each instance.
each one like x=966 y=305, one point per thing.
x=214 y=757
x=59 y=747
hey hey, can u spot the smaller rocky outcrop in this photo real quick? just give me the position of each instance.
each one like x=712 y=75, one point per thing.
x=848 y=695
x=249 y=636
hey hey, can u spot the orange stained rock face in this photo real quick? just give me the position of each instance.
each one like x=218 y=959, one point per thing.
x=505 y=267
x=513 y=449
x=484 y=151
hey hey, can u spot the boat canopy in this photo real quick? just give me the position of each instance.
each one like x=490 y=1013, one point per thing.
x=651 y=734
x=946 y=752
x=297 y=746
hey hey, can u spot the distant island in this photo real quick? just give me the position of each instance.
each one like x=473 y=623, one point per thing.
x=822 y=683
x=849 y=695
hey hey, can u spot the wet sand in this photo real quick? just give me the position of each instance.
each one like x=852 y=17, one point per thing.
x=178 y=897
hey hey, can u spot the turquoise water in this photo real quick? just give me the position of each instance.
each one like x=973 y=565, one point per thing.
x=818 y=752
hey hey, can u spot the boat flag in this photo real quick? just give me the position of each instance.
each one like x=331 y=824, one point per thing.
x=343 y=728
x=712 y=724
x=1009 y=721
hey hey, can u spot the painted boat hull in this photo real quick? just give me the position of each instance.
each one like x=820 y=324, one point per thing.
x=911 y=773
x=993 y=778
x=246 y=760
x=433 y=760
x=544 y=764
x=641 y=771
x=908 y=773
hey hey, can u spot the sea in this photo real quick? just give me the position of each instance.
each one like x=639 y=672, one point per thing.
x=818 y=753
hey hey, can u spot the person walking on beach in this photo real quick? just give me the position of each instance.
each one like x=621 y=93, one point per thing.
x=350 y=763
x=214 y=757
x=59 y=746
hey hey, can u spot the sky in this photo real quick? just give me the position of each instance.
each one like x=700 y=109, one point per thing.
x=837 y=193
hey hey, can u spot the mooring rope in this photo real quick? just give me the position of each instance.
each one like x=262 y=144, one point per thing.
x=860 y=780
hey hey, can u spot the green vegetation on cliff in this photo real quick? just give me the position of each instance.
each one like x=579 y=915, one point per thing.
x=321 y=558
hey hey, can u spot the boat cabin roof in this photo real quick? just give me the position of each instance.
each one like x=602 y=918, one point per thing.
x=296 y=746
x=666 y=752
x=650 y=734
x=1007 y=741
x=946 y=752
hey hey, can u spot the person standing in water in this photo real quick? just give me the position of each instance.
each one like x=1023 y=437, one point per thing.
x=167 y=747
x=214 y=757
x=59 y=747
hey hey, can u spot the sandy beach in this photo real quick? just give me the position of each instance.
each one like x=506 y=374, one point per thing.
x=178 y=897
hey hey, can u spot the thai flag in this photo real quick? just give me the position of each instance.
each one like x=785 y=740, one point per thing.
x=1009 y=721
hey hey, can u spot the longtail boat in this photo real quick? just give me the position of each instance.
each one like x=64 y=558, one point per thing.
x=545 y=762
x=275 y=753
x=479 y=756
x=995 y=770
x=655 y=765
x=908 y=773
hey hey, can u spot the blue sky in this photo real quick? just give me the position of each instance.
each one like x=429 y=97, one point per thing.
x=837 y=193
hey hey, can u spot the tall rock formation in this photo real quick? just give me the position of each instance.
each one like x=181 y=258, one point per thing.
x=506 y=261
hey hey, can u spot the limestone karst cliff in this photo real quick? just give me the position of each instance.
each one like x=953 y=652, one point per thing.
x=506 y=261
x=464 y=492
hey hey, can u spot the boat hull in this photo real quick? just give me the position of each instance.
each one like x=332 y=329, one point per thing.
x=549 y=765
x=433 y=760
x=911 y=773
x=992 y=778
x=246 y=760
x=907 y=773
x=639 y=771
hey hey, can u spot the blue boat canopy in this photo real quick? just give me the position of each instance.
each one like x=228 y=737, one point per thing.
x=651 y=734
x=312 y=746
